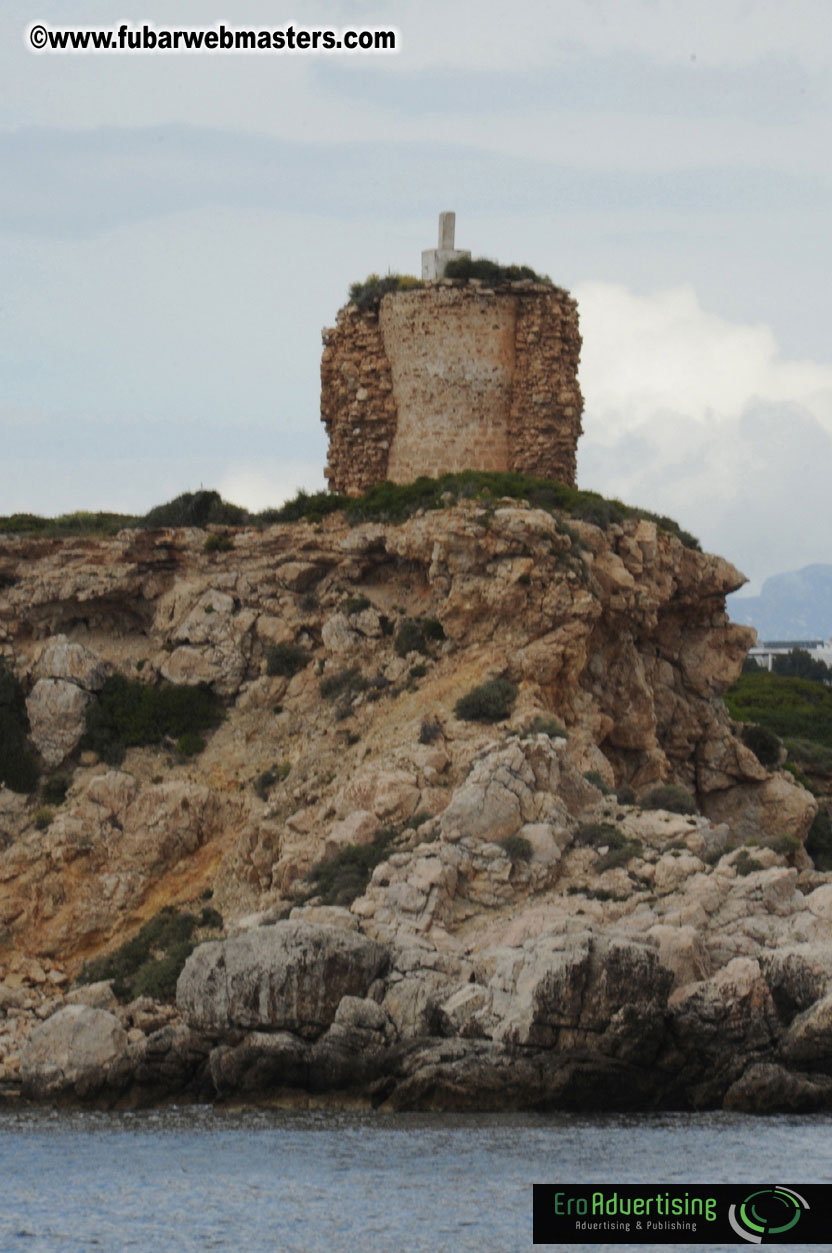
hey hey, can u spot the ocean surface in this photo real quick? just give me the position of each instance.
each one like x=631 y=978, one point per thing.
x=195 y=1178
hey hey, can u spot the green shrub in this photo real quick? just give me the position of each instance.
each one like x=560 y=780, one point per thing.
x=620 y=848
x=787 y=845
x=42 y=817
x=264 y=782
x=286 y=659
x=791 y=708
x=489 y=702
x=348 y=682
x=430 y=730
x=596 y=834
x=416 y=820
x=597 y=780
x=417 y=672
x=218 y=543
x=339 y=879
x=54 y=789
x=80 y=523
x=410 y=638
x=492 y=272
x=745 y=864
x=357 y=604
x=819 y=840
x=128 y=713
x=670 y=797
x=198 y=509
x=542 y=725
x=618 y=856
x=625 y=795
x=18 y=764
x=190 y=744
x=798 y=775
x=763 y=743
x=516 y=848
x=150 y=963
x=811 y=756
x=369 y=294
x=414 y=633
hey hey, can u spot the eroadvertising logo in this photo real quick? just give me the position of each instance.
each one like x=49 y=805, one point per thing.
x=768 y=1212
x=681 y=1214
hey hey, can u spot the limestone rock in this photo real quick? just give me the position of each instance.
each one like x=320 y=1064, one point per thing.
x=797 y=976
x=61 y=659
x=809 y=1038
x=389 y=794
x=729 y=1016
x=78 y=1050
x=766 y=1088
x=776 y=807
x=602 y=994
x=509 y=787
x=96 y=995
x=56 y=709
x=291 y=976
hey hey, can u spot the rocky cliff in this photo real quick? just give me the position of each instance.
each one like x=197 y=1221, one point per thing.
x=526 y=936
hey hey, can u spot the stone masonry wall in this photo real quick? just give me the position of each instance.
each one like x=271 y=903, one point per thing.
x=546 y=404
x=357 y=404
x=451 y=377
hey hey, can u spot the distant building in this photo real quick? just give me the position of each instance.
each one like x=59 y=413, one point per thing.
x=764 y=654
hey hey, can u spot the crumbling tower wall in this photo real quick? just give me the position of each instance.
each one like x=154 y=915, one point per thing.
x=453 y=376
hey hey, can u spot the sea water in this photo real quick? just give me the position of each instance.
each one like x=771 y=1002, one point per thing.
x=197 y=1178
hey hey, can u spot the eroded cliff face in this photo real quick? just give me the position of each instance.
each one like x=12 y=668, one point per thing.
x=620 y=634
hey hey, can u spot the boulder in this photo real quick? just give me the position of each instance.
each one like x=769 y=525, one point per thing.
x=519 y=783
x=98 y=995
x=809 y=1038
x=589 y=992
x=56 y=709
x=289 y=977
x=797 y=976
x=723 y=1020
x=766 y=1088
x=62 y=660
x=778 y=806
x=79 y=1050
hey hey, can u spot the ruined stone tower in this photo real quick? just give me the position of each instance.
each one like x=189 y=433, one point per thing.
x=453 y=375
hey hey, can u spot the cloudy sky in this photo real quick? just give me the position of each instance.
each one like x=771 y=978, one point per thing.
x=175 y=230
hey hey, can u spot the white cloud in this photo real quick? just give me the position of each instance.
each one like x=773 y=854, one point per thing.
x=701 y=418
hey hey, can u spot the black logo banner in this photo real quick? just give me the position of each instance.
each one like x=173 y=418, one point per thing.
x=690 y=1213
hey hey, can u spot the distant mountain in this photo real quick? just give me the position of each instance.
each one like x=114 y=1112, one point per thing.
x=793 y=606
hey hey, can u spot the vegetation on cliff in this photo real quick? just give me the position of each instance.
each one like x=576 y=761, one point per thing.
x=790 y=707
x=18 y=765
x=150 y=963
x=782 y=712
x=128 y=713
x=384 y=502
